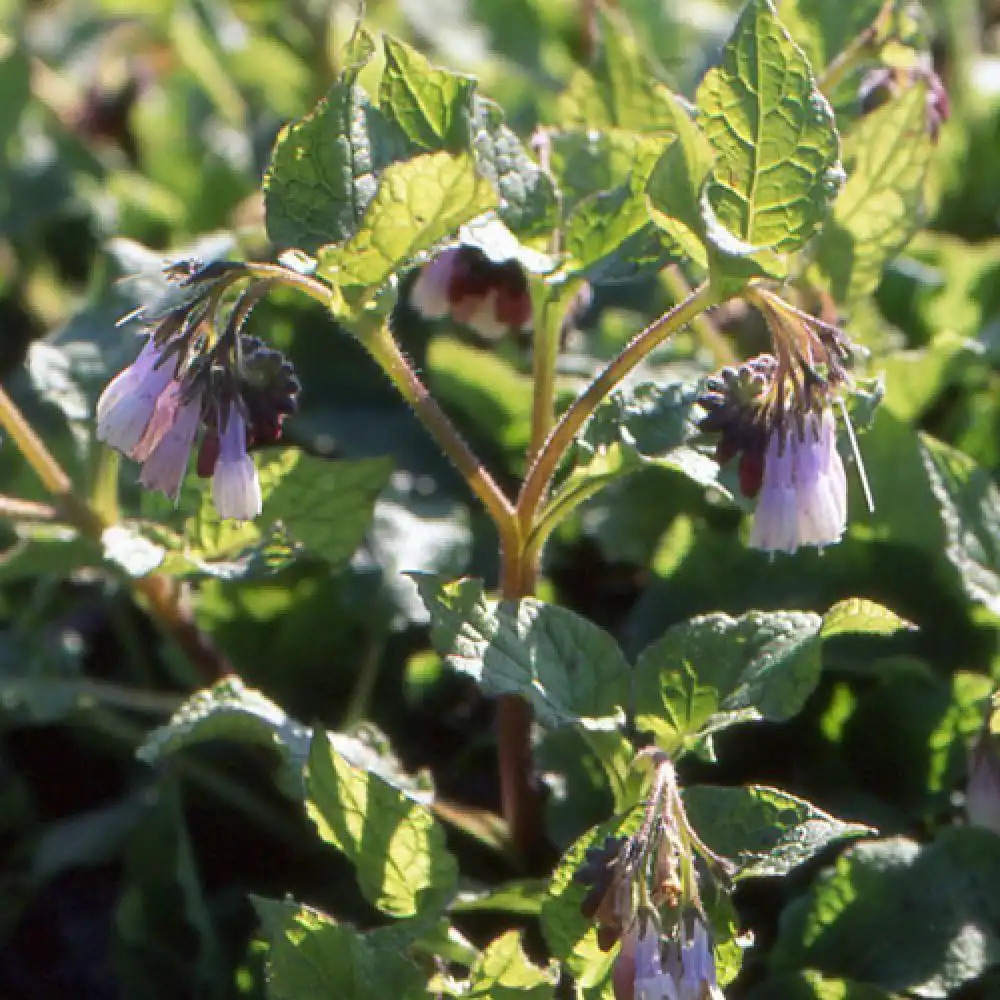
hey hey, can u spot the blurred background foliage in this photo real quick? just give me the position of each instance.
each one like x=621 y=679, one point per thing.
x=132 y=130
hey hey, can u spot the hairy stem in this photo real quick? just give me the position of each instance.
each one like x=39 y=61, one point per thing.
x=540 y=474
x=161 y=593
x=382 y=346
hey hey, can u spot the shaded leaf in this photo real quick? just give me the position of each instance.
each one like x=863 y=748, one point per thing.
x=322 y=173
x=766 y=831
x=921 y=919
x=312 y=504
x=714 y=671
x=529 y=200
x=567 y=667
x=970 y=510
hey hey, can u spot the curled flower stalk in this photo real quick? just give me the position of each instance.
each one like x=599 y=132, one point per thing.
x=776 y=415
x=646 y=893
x=195 y=374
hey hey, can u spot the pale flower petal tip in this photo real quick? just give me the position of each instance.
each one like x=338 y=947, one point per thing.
x=429 y=293
x=127 y=404
x=803 y=498
x=235 y=483
x=164 y=469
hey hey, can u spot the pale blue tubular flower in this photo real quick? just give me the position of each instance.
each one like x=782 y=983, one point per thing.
x=167 y=461
x=638 y=972
x=691 y=964
x=128 y=401
x=803 y=498
x=235 y=483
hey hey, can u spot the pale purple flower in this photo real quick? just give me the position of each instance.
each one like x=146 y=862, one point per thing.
x=127 y=403
x=982 y=793
x=803 y=499
x=638 y=973
x=691 y=965
x=235 y=484
x=167 y=461
x=429 y=294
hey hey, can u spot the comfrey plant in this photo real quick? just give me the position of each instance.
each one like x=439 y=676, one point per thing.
x=416 y=209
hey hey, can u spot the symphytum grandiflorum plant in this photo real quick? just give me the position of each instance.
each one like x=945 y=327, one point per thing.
x=773 y=195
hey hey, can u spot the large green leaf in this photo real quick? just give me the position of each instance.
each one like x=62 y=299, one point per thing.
x=881 y=205
x=623 y=91
x=323 y=170
x=419 y=203
x=920 y=919
x=567 y=667
x=393 y=841
x=766 y=831
x=715 y=671
x=776 y=150
x=232 y=712
x=309 y=503
x=969 y=501
x=311 y=955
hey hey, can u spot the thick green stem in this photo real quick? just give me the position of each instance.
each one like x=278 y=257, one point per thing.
x=161 y=593
x=539 y=476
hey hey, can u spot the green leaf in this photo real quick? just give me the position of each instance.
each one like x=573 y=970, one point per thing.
x=623 y=91
x=529 y=200
x=311 y=955
x=394 y=842
x=567 y=667
x=809 y=985
x=419 y=203
x=776 y=150
x=313 y=504
x=768 y=832
x=825 y=29
x=882 y=204
x=323 y=170
x=675 y=188
x=522 y=897
x=714 y=671
x=609 y=236
x=859 y=616
x=503 y=971
x=969 y=501
x=920 y=919
x=571 y=937
x=232 y=712
x=431 y=105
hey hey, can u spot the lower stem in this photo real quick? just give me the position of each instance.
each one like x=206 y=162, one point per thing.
x=519 y=792
x=162 y=593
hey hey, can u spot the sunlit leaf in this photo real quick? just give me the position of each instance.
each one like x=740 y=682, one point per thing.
x=393 y=841
x=776 y=149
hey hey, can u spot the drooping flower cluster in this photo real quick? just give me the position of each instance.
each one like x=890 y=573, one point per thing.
x=644 y=893
x=776 y=412
x=982 y=792
x=463 y=283
x=188 y=377
x=885 y=83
